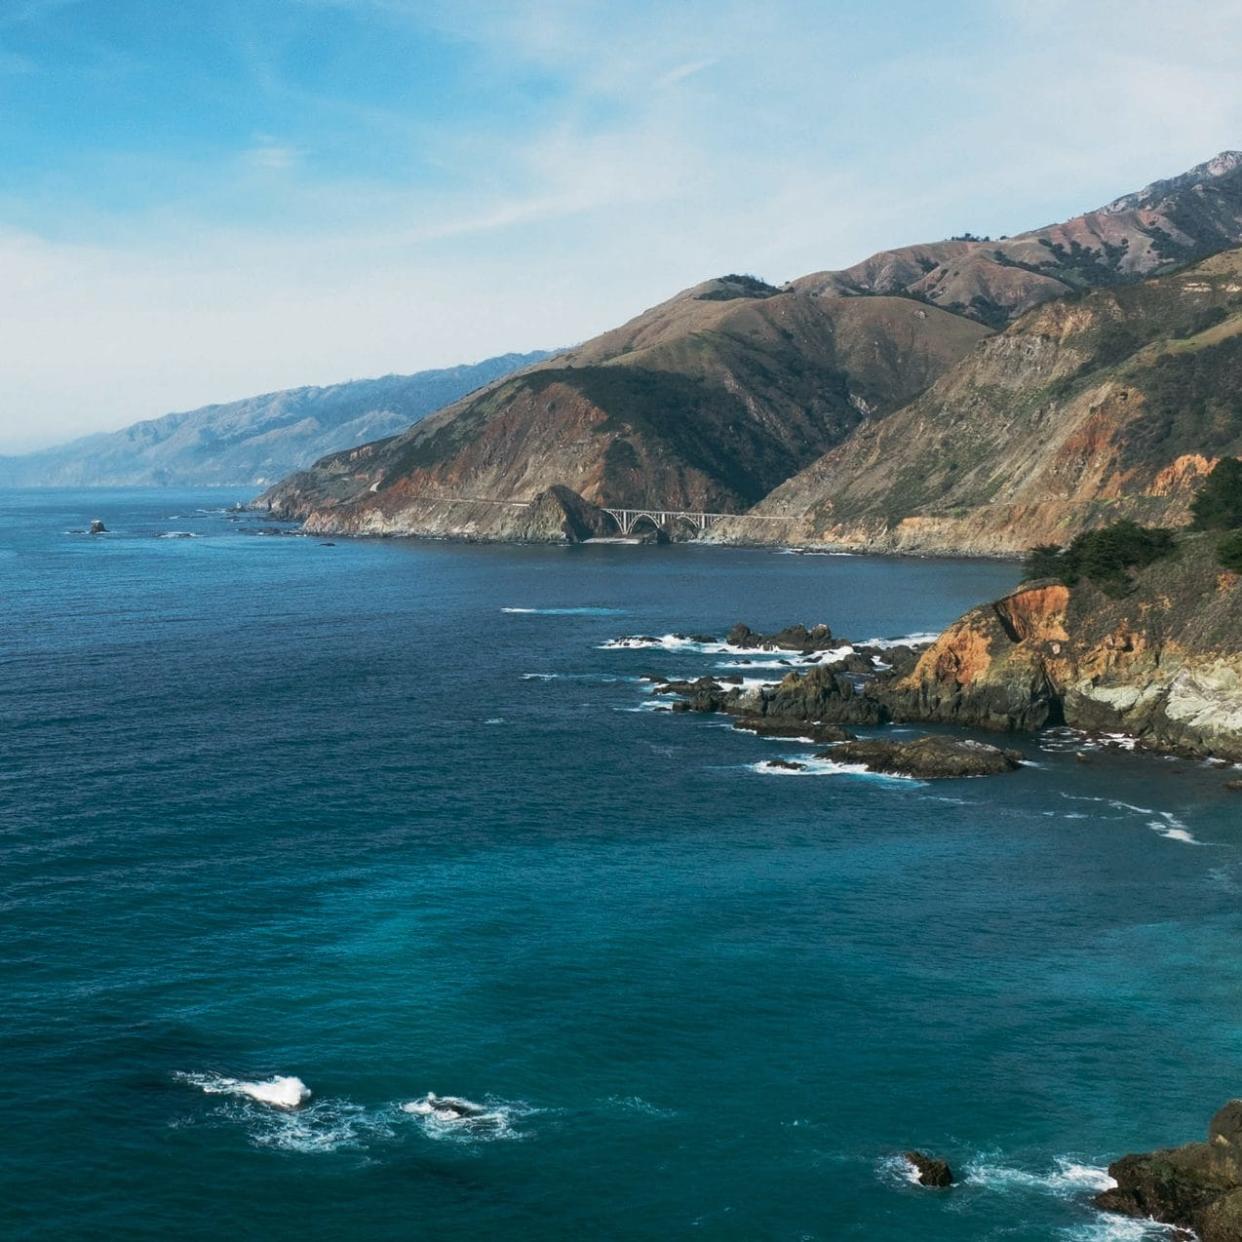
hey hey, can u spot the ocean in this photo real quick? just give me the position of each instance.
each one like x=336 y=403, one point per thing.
x=395 y=818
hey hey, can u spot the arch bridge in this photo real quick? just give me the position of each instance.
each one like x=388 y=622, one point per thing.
x=627 y=519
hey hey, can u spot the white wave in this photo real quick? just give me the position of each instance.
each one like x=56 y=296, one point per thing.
x=811 y=552
x=494 y=720
x=281 y=1091
x=177 y=534
x=457 y=1119
x=566 y=612
x=923 y=639
x=897 y=1170
x=325 y=1126
x=1111 y=1228
x=1067 y=1179
x=681 y=644
x=823 y=767
x=1168 y=825
x=540 y=676
x=795 y=660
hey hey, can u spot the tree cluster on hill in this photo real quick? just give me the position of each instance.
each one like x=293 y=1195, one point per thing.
x=1105 y=557
x=1218 y=506
x=1108 y=556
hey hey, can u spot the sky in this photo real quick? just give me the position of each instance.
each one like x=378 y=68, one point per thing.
x=205 y=199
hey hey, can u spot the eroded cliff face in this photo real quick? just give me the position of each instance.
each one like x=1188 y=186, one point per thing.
x=1163 y=664
x=704 y=403
x=1085 y=411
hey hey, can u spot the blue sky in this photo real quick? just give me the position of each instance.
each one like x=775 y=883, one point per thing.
x=203 y=199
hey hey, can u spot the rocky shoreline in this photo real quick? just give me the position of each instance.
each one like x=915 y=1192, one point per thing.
x=1159 y=666
x=1197 y=1186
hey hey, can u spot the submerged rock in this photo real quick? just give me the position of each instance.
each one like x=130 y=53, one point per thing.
x=97 y=527
x=930 y=1170
x=1196 y=1186
x=929 y=758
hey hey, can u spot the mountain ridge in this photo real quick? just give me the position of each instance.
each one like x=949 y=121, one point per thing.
x=255 y=440
x=730 y=388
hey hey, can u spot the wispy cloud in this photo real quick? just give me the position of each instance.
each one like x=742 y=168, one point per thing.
x=417 y=183
x=683 y=71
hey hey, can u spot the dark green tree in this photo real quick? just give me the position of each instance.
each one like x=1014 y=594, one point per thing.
x=1218 y=506
x=1229 y=551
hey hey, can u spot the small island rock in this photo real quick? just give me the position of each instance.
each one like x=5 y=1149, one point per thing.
x=928 y=758
x=930 y=1170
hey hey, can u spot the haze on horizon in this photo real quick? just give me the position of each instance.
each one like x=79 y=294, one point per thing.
x=224 y=197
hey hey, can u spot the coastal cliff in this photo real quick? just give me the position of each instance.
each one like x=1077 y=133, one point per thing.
x=876 y=407
x=1161 y=663
x=1087 y=410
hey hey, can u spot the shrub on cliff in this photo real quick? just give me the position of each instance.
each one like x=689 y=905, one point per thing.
x=1229 y=551
x=1104 y=557
x=1218 y=505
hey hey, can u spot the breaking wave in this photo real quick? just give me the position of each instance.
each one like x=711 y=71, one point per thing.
x=566 y=612
x=1066 y=1179
x=823 y=767
x=280 y=1091
x=458 y=1120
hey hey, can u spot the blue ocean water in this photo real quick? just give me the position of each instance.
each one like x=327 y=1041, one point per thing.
x=391 y=817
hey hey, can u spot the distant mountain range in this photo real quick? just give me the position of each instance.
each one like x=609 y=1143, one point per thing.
x=255 y=441
x=714 y=398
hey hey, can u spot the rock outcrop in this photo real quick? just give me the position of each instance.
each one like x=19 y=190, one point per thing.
x=926 y=758
x=930 y=1170
x=1163 y=663
x=1196 y=1186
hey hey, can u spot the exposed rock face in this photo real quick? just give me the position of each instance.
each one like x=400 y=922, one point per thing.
x=1086 y=410
x=1197 y=1186
x=816 y=695
x=931 y=1170
x=1167 y=223
x=1162 y=663
x=703 y=403
x=927 y=758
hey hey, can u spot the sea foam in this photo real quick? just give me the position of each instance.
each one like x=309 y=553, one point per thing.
x=456 y=1119
x=281 y=1091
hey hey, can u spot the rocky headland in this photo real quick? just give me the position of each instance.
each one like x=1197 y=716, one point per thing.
x=1158 y=663
x=1197 y=1186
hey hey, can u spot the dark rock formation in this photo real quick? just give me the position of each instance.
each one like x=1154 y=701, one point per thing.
x=1196 y=1186
x=817 y=732
x=819 y=694
x=787 y=764
x=931 y=1170
x=97 y=527
x=928 y=758
x=791 y=638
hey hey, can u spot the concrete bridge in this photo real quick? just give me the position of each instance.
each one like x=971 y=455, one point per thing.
x=626 y=519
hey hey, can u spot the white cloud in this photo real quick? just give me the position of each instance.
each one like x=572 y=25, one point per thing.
x=806 y=149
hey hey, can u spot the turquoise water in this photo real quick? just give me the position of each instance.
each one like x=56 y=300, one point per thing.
x=275 y=808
